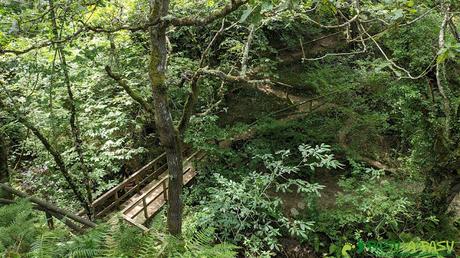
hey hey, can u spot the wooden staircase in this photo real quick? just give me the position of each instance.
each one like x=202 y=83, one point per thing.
x=143 y=194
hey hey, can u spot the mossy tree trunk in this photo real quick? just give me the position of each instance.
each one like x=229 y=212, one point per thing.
x=169 y=136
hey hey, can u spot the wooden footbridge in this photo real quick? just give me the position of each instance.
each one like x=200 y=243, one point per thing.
x=143 y=194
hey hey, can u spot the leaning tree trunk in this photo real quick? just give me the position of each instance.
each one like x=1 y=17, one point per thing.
x=4 y=174
x=169 y=137
x=78 y=142
x=56 y=155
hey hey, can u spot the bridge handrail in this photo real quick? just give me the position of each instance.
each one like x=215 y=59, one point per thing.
x=161 y=182
x=135 y=177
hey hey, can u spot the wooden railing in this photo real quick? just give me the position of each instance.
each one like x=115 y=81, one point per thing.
x=161 y=188
x=129 y=187
x=159 y=193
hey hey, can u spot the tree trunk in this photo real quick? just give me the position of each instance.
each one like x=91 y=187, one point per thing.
x=75 y=228
x=4 y=173
x=168 y=135
x=441 y=187
x=76 y=133
x=48 y=206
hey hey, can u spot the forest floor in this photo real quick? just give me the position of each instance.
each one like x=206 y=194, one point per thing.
x=272 y=98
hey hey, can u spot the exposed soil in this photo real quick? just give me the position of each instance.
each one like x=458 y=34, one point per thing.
x=292 y=248
x=328 y=178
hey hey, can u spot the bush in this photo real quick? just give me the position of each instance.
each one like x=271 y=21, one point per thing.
x=247 y=213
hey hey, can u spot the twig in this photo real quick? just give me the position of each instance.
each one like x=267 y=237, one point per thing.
x=247 y=47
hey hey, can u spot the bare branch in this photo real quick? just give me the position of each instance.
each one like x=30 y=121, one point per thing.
x=230 y=78
x=342 y=53
x=247 y=47
x=193 y=96
x=215 y=15
x=41 y=44
x=393 y=66
x=347 y=23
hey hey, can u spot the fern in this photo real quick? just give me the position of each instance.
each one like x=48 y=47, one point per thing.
x=17 y=227
x=88 y=245
x=148 y=247
x=22 y=235
x=201 y=244
x=47 y=244
x=192 y=244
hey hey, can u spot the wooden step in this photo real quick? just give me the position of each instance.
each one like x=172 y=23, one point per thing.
x=141 y=207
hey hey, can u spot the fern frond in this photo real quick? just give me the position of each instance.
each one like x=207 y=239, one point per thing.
x=46 y=245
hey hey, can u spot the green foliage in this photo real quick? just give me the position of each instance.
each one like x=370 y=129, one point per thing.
x=246 y=212
x=17 y=228
x=23 y=236
x=371 y=205
x=193 y=243
x=367 y=112
x=413 y=45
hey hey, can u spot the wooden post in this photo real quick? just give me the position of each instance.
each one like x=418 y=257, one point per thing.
x=144 y=204
x=49 y=220
x=155 y=166
x=165 y=192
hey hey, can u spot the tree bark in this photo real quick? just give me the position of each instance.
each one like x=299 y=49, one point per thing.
x=48 y=206
x=441 y=186
x=168 y=135
x=4 y=173
x=75 y=228
x=440 y=70
x=76 y=133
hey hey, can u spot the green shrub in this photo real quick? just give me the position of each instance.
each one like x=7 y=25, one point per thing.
x=246 y=212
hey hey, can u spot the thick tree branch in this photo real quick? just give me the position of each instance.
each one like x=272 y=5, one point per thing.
x=231 y=78
x=169 y=137
x=169 y=20
x=247 y=47
x=124 y=84
x=214 y=15
x=440 y=69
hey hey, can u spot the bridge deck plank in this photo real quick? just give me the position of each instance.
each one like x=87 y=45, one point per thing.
x=133 y=208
